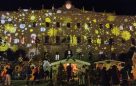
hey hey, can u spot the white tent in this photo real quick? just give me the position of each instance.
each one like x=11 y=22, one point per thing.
x=70 y=61
x=65 y=61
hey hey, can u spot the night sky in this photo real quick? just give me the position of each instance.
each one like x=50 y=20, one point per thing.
x=121 y=7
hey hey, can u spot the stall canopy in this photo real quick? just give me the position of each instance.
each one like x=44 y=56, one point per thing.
x=109 y=63
x=76 y=61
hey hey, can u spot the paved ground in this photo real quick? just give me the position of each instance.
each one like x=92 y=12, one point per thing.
x=42 y=83
x=23 y=83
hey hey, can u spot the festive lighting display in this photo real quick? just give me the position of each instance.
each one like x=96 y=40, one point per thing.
x=99 y=27
x=32 y=17
x=115 y=31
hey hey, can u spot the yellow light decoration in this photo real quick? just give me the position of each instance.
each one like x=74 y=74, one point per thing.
x=134 y=24
x=52 y=32
x=61 y=18
x=32 y=18
x=67 y=20
x=112 y=49
x=126 y=35
x=87 y=18
x=107 y=25
x=107 y=32
x=107 y=66
x=98 y=41
x=43 y=34
x=85 y=37
x=115 y=31
x=96 y=31
x=96 y=48
x=105 y=47
x=10 y=28
x=73 y=40
x=4 y=47
x=16 y=34
x=6 y=37
x=42 y=24
x=95 y=41
x=126 y=20
x=14 y=48
x=60 y=30
x=111 y=18
x=94 y=21
x=48 y=20
x=18 y=30
x=86 y=27
x=78 y=50
x=39 y=35
x=31 y=30
x=75 y=27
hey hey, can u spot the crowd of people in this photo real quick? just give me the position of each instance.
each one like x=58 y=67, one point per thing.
x=34 y=73
x=30 y=72
x=112 y=76
x=99 y=76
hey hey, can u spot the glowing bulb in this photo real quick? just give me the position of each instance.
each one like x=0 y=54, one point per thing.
x=2 y=21
x=31 y=30
x=32 y=17
x=68 y=5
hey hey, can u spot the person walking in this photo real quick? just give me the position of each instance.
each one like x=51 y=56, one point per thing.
x=115 y=76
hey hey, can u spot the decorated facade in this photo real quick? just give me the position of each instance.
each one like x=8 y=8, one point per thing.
x=54 y=29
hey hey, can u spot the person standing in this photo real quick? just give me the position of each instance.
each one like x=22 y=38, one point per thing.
x=104 y=77
x=8 y=77
x=69 y=72
x=96 y=76
x=83 y=70
x=115 y=76
x=28 y=74
x=124 y=77
x=61 y=74
x=46 y=68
